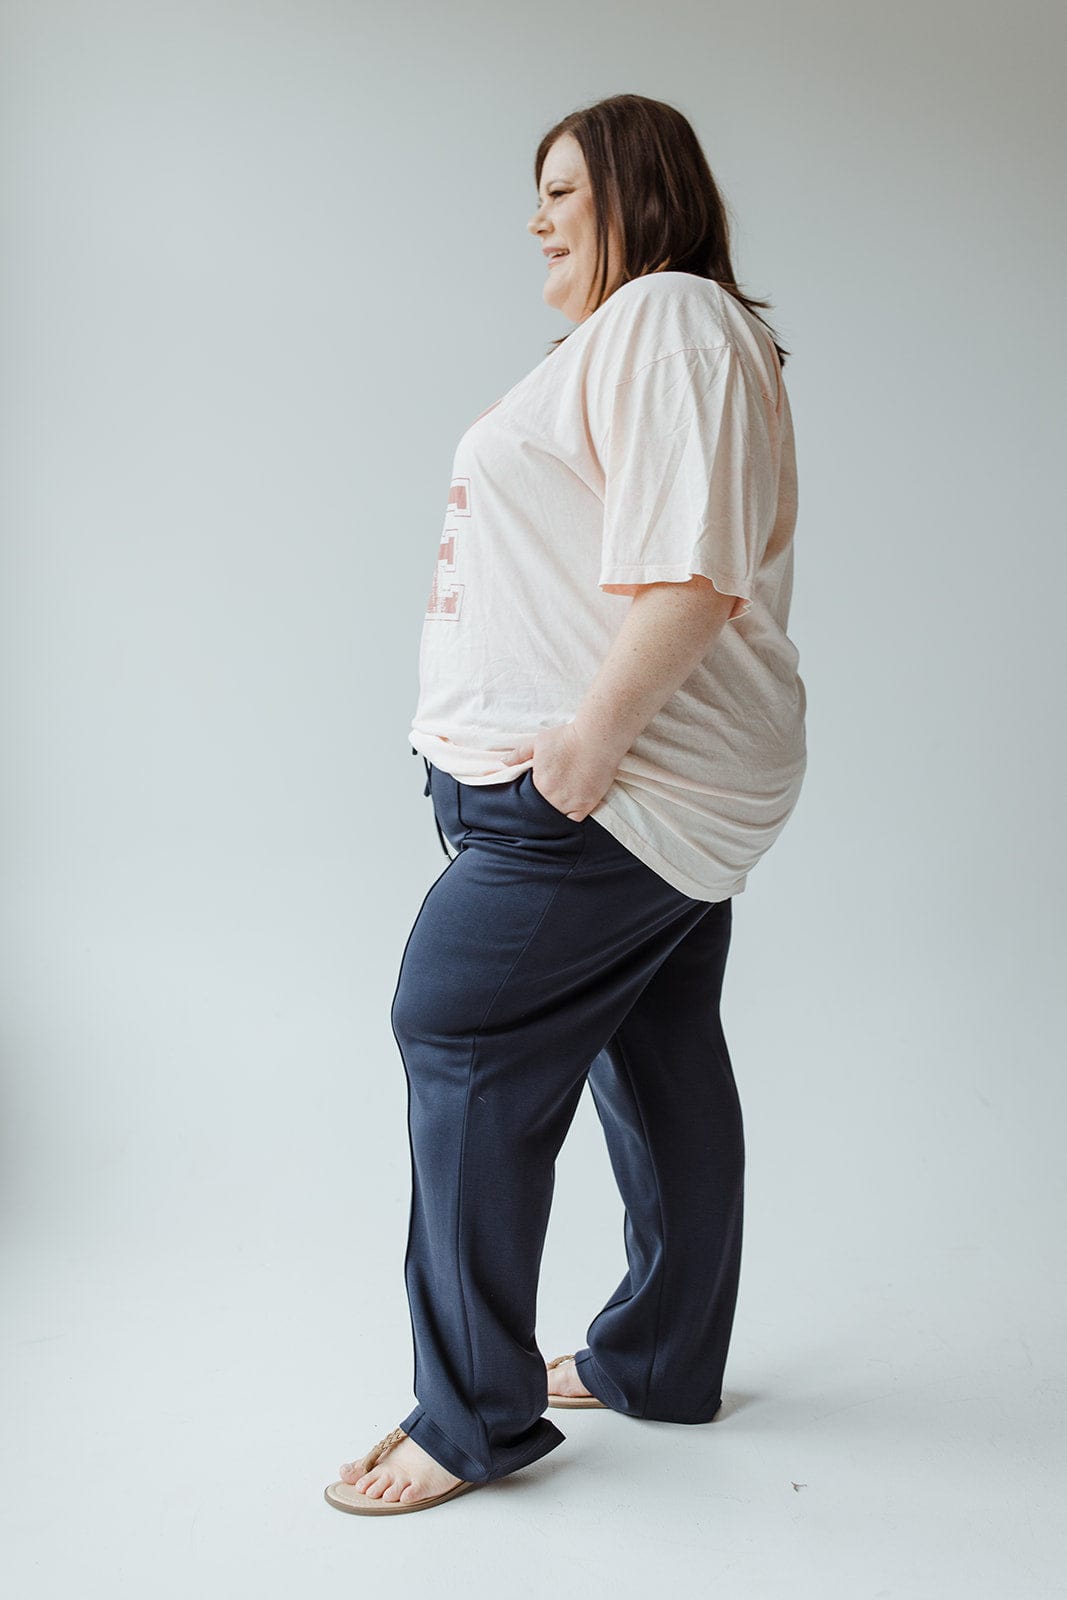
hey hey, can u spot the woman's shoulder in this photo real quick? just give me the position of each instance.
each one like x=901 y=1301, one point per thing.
x=670 y=285
x=657 y=314
x=672 y=296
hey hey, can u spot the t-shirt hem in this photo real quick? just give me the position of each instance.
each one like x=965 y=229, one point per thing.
x=675 y=875
x=623 y=579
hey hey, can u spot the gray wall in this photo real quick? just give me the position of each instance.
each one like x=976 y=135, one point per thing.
x=262 y=264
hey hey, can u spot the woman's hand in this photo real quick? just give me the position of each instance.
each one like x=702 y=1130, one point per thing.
x=570 y=775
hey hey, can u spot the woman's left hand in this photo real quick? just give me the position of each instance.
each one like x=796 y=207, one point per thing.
x=565 y=771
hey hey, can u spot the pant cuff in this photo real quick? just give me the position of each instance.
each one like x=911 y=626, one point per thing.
x=598 y=1386
x=603 y=1389
x=536 y=1442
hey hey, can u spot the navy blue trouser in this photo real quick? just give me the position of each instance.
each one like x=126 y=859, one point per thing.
x=547 y=955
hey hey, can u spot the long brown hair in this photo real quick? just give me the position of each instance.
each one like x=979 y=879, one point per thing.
x=649 y=174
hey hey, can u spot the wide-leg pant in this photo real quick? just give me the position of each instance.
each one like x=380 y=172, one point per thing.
x=547 y=955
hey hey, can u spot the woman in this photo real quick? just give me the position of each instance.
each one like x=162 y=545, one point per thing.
x=613 y=730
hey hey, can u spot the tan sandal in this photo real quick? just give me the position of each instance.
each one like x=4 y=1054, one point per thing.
x=346 y=1497
x=572 y=1401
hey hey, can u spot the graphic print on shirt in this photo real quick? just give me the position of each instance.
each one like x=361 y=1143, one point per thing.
x=446 y=597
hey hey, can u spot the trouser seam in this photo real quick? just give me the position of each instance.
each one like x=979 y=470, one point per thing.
x=623 y=1057
x=466 y=1115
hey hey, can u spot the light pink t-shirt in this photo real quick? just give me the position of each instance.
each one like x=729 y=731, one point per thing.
x=655 y=443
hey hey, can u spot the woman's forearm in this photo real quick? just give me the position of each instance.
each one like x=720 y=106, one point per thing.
x=668 y=630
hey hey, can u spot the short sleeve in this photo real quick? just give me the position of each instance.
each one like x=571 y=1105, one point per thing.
x=691 y=475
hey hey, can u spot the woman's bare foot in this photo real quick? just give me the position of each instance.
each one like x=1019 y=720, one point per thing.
x=405 y=1473
x=564 y=1380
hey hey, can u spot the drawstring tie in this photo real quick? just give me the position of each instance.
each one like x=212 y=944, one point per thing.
x=436 y=824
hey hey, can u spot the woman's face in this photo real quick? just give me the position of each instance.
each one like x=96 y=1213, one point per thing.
x=564 y=220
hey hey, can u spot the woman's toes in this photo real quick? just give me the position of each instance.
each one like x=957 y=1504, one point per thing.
x=394 y=1490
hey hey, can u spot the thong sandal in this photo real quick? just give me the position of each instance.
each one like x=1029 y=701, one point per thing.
x=346 y=1497
x=572 y=1401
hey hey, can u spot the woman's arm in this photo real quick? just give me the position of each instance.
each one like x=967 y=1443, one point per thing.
x=669 y=628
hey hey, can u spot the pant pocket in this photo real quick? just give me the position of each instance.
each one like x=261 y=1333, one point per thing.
x=527 y=777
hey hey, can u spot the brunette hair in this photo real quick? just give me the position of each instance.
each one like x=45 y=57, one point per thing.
x=649 y=174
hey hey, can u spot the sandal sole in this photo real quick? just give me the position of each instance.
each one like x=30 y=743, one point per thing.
x=346 y=1497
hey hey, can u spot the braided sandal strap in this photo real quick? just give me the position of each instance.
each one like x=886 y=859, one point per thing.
x=372 y=1457
x=558 y=1360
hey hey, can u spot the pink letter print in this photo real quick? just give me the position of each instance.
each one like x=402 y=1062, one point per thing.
x=445 y=595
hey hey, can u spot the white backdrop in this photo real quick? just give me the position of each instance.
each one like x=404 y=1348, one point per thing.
x=262 y=264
